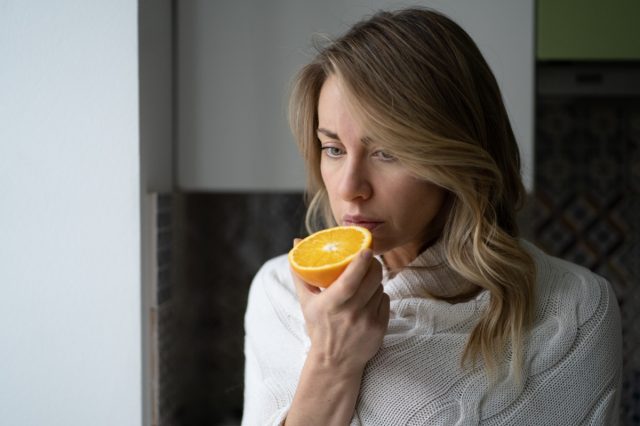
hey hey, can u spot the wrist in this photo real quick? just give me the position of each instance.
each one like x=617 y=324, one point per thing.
x=344 y=367
x=326 y=393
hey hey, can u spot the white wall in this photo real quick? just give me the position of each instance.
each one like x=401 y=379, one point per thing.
x=69 y=218
x=236 y=60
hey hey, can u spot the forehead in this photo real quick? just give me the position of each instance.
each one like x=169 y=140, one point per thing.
x=335 y=113
x=331 y=99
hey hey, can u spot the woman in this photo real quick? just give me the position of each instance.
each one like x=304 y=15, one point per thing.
x=456 y=320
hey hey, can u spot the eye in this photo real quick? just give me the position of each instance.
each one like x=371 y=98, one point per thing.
x=384 y=156
x=332 y=151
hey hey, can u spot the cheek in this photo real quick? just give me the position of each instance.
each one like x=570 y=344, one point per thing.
x=324 y=170
x=330 y=179
x=434 y=201
x=423 y=202
x=326 y=180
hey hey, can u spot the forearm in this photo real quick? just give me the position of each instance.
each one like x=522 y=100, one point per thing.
x=326 y=394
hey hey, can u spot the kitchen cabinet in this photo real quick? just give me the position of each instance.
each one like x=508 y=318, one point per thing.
x=588 y=30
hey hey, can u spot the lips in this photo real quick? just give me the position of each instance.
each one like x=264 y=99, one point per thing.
x=357 y=220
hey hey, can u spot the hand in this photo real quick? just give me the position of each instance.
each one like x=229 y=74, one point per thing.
x=347 y=321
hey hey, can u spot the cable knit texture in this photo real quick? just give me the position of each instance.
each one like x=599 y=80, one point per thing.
x=572 y=364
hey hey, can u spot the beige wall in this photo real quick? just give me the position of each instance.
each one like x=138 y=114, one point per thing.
x=235 y=60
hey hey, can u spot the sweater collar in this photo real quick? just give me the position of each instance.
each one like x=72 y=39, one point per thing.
x=428 y=276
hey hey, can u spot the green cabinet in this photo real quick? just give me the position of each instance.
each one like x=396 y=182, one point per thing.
x=588 y=30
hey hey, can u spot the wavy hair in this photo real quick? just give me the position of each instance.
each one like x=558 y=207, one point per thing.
x=426 y=95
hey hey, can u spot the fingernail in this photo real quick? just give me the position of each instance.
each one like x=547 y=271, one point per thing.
x=366 y=254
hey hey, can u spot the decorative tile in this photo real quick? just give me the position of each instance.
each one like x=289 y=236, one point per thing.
x=557 y=171
x=603 y=121
x=556 y=120
x=541 y=211
x=556 y=238
x=580 y=213
x=604 y=173
x=631 y=387
x=605 y=237
x=618 y=265
x=582 y=254
x=588 y=203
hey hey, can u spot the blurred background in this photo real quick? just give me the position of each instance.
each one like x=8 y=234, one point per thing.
x=148 y=173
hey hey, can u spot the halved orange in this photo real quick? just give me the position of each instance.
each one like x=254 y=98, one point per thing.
x=320 y=258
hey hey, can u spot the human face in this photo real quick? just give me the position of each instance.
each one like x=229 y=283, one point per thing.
x=368 y=187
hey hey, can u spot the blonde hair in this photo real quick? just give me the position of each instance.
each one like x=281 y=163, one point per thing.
x=427 y=96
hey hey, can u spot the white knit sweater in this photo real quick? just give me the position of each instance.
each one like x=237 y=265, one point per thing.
x=572 y=363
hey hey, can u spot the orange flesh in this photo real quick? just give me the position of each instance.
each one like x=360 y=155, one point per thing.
x=320 y=258
x=329 y=248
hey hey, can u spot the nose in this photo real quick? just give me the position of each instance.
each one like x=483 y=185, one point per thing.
x=355 y=181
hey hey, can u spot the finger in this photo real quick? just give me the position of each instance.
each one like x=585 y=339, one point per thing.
x=373 y=303
x=384 y=309
x=348 y=282
x=296 y=241
x=370 y=285
x=378 y=309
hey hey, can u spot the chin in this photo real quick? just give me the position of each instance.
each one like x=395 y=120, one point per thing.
x=380 y=248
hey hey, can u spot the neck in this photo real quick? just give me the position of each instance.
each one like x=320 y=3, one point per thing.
x=429 y=275
x=397 y=259
x=400 y=257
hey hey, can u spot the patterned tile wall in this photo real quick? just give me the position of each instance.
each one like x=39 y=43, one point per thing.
x=222 y=241
x=587 y=204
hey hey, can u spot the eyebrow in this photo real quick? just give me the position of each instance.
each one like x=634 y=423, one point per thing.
x=328 y=133
x=365 y=140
